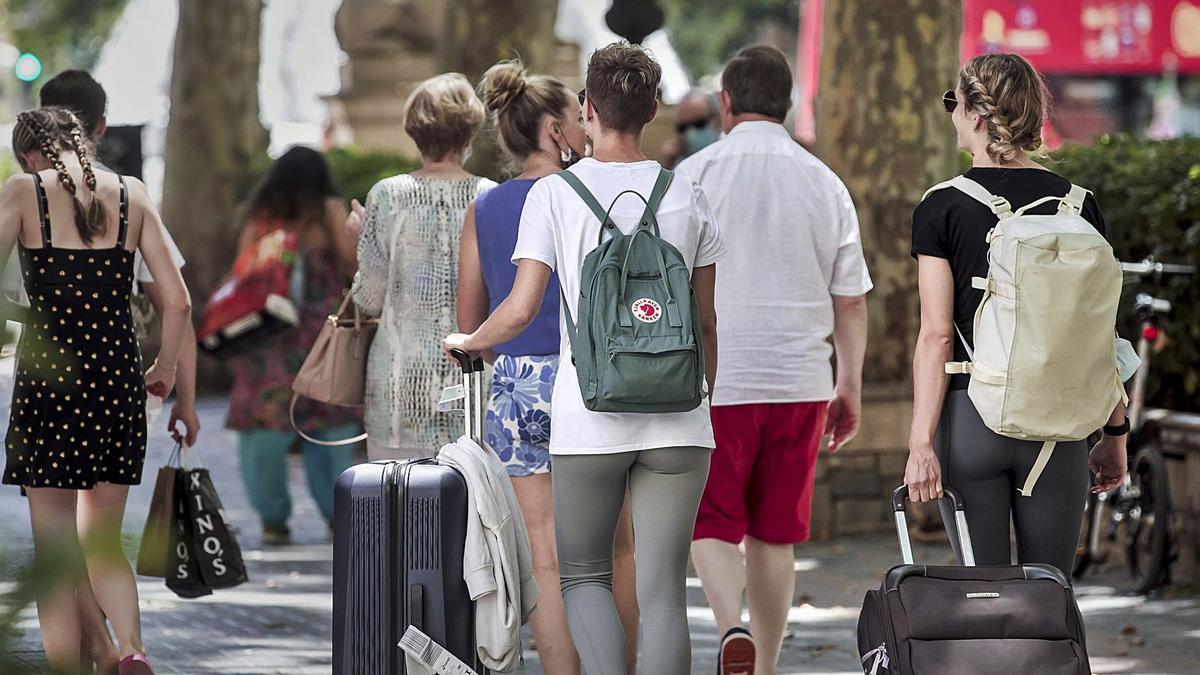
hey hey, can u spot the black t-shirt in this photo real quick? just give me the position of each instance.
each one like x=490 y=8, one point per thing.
x=952 y=225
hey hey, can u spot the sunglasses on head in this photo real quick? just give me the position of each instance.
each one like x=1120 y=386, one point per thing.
x=949 y=101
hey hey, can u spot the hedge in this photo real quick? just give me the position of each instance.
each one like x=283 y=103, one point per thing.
x=1149 y=192
x=355 y=171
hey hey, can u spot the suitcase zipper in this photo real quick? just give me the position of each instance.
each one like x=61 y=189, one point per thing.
x=880 y=654
x=889 y=634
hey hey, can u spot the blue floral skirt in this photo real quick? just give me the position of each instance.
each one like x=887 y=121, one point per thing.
x=518 y=416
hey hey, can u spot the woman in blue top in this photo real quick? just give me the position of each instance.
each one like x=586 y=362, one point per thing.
x=539 y=130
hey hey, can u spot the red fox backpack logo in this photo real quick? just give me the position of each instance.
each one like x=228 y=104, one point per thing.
x=646 y=310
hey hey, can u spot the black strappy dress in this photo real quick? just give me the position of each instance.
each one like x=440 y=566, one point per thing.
x=79 y=400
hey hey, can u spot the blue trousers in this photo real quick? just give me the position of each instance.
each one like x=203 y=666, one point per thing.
x=263 y=455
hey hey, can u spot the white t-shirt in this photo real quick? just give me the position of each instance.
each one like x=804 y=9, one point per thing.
x=793 y=241
x=558 y=229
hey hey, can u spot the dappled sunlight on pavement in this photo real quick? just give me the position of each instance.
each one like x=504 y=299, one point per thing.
x=280 y=621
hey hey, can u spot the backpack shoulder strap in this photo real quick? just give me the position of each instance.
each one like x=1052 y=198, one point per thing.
x=996 y=204
x=584 y=194
x=1073 y=202
x=661 y=185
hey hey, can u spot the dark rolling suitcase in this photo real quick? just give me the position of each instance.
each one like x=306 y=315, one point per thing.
x=952 y=620
x=399 y=534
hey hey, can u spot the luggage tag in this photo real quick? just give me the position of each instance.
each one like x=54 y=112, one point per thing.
x=421 y=648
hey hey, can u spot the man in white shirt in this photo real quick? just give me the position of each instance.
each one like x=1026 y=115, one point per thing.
x=795 y=274
x=662 y=457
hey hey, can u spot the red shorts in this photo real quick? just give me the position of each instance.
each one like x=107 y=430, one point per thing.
x=760 y=481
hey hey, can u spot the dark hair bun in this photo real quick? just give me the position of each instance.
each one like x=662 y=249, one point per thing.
x=503 y=83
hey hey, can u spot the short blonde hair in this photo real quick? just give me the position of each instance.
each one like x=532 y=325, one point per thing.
x=443 y=115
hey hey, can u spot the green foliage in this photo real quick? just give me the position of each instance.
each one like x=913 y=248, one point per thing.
x=29 y=582
x=706 y=33
x=62 y=33
x=1149 y=192
x=8 y=166
x=355 y=171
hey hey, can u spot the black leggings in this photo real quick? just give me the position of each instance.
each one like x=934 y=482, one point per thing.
x=987 y=469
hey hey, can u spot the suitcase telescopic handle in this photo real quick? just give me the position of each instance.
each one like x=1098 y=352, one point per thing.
x=473 y=395
x=465 y=361
x=900 y=497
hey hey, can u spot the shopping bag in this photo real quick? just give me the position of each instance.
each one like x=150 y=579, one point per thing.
x=183 y=574
x=156 y=535
x=214 y=548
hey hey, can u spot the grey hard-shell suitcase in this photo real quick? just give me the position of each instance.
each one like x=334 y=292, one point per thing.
x=952 y=620
x=399 y=534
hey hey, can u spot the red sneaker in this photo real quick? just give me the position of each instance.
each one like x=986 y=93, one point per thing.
x=737 y=653
x=134 y=664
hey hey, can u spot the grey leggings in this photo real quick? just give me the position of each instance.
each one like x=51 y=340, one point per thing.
x=987 y=469
x=665 y=485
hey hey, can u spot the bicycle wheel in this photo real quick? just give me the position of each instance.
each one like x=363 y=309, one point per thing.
x=1084 y=555
x=1147 y=540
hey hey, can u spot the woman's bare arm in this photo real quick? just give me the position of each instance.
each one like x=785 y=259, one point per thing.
x=513 y=315
x=935 y=346
x=345 y=242
x=175 y=313
x=473 y=303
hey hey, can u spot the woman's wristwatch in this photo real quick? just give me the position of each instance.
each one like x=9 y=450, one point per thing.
x=1117 y=429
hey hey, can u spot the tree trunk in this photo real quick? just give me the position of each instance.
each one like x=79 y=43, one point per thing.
x=214 y=136
x=479 y=33
x=881 y=127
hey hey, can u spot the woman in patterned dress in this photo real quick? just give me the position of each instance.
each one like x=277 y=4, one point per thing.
x=408 y=272
x=77 y=433
x=297 y=194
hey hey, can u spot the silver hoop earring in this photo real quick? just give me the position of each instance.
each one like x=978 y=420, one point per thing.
x=564 y=156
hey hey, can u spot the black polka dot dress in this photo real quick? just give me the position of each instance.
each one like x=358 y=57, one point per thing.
x=79 y=400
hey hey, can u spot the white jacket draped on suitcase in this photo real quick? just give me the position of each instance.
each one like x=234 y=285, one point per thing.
x=497 y=563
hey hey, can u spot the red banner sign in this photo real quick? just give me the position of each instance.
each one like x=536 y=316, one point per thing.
x=1088 y=36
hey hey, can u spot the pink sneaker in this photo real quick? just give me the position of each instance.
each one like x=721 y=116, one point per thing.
x=134 y=664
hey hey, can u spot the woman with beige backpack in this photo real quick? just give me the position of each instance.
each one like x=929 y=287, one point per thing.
x=1005 y=390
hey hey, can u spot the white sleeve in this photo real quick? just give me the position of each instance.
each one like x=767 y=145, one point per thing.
x=689 y=168
x=711 y=247
x=374 y=250
x=142 y=270
x=535 y=234
x=850 y=275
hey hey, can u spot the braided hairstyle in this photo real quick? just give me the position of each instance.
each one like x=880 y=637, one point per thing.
x=53 y=131
x=1009 y=94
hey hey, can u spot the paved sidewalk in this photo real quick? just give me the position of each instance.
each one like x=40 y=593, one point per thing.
x=279 y=622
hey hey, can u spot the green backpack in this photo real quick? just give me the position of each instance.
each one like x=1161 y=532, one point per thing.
x=637 y=347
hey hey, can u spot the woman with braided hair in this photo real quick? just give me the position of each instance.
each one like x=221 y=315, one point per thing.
x=77 y=434
x=998 y=109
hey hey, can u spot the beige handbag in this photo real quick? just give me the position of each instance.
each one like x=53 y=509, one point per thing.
x=336 y=367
